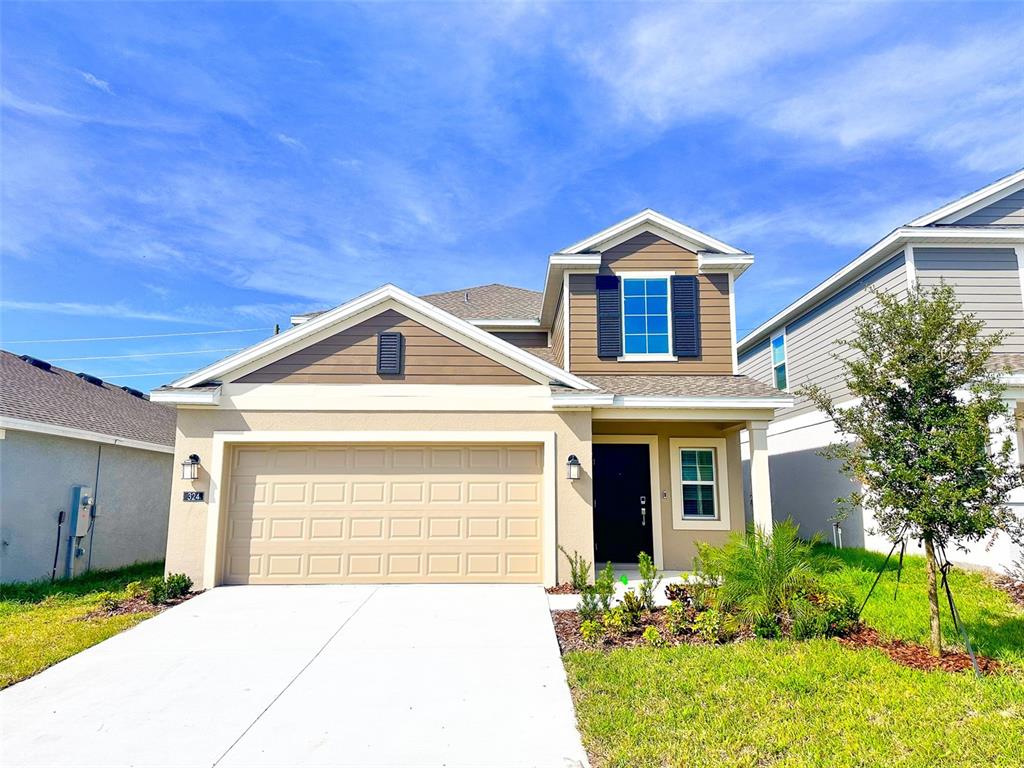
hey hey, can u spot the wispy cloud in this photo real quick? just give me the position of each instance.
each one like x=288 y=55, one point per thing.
x=117 y=311
x=95 y=82
x=289 y=141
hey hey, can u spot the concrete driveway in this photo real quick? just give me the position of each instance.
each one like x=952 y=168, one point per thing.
x=309 y=676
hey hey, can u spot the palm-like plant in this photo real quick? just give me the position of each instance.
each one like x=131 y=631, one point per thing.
x=760 y=574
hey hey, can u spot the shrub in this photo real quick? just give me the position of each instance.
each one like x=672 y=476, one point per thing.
x=615 y=620
x=649 y=580
x=674 y=592
x=134 y=589
x=592 y=632
x=707 y=625
x=589 y=606
x=653 y=637
x=675 y=618
x=178 y=585
x=632 y=607
x=761 y=573
x=109 y=601
x=767 y=628
x=579 y=569
x=604 y=587
x=157 y=591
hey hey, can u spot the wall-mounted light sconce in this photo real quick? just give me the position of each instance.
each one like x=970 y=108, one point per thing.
x=190 y=468
x=572 y=467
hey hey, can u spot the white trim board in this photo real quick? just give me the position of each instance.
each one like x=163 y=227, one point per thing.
x=218 y=468
x=723 y=521
x=375 y=301
x=55 y=430
x=649 y=219
x=651 y=441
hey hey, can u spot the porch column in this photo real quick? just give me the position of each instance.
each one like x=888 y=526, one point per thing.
x=760 y=483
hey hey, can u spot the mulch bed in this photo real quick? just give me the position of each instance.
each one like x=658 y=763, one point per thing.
x=914 y=655
x=562 y=589
x=567 y=629
x=139 y=604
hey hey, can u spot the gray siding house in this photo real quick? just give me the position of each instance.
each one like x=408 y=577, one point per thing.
x=975 y=244
x=100 y=454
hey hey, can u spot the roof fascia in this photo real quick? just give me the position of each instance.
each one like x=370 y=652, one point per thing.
x=572 y=400
x=186 y=396
x=645 y=219
x=968 y=204
x=57 y=430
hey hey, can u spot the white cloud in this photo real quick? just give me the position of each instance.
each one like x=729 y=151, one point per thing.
x=118 y=311
x=95 y=82
x=289 y=141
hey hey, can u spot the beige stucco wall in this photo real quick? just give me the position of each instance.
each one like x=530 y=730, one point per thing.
x=36 y=475
x=186 y=541
x=679 y=547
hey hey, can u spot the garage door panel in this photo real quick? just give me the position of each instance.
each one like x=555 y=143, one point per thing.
x=385 y=514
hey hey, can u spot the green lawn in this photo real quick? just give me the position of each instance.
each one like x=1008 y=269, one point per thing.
x=816 y=703
x=42 y=623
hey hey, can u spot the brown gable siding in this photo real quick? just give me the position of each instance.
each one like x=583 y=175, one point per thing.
x=648 y=252
x=350 y=357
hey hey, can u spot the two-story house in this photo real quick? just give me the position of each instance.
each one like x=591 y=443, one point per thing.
x=975 y=244
x=465 y=436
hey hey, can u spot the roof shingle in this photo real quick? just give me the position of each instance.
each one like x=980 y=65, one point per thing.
x=683 y=386
x=61 y=398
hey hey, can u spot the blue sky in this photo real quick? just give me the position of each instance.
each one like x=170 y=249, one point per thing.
x=180 y=168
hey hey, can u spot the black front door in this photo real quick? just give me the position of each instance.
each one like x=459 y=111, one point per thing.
x=622 y=503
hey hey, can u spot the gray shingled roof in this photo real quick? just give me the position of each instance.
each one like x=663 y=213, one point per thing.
x=1000 y=362
x=683 y=386
x=483 y=302
x=61 y=398
x=489 y=302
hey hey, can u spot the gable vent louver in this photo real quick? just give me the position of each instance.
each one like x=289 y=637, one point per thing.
x=389 y=353
x=90 y=378
x=41 y=364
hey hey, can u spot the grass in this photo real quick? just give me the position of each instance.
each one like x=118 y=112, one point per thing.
x=792 y=704
x=42 y=623
x=994 y=623
x=801 y=704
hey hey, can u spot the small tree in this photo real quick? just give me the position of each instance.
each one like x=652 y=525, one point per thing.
x=923 y=449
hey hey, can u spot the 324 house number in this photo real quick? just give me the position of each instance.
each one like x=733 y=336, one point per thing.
x=193 y=495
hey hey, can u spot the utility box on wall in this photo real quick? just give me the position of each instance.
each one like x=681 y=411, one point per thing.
x=83 y=510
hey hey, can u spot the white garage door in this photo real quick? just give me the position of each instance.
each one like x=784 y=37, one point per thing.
x=374 y=513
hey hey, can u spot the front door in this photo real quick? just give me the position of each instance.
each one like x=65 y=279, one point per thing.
x=622 y=503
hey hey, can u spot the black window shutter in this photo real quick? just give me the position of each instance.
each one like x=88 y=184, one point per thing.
x=609 y=316
x=685 y=316
x=389 y=353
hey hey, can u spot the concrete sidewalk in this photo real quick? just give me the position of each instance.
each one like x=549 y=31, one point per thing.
x=310 y=676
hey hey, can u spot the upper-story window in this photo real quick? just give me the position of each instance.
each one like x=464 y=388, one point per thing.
x=779 y=361
x=645 y=316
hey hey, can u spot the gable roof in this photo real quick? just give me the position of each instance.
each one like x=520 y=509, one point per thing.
x=493 y=302
x=60 y=399
x=652 y=221
x=937 y=228
x=966 y=205
x=383 y=297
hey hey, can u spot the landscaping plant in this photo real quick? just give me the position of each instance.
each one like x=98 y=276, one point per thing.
x=632 y=606
x=675 y=618
x=591 y=631
x=579 y=569
x=927 y=402
x=760 y=574
x=707 y=625
x=653 y=637
x=649 y=580
x=178 y=585
x=604 y=587
x=589 y=607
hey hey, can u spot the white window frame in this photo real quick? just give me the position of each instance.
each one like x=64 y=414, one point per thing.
x=723 y=512
x=785 y=357
x=649 y=357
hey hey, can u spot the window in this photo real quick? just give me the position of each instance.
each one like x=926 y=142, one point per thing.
x=645 y=316
x=779 y=361
x=697 y=468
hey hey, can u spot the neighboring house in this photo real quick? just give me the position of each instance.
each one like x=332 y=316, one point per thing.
x=975 y=244
x=99 y=453
x=464 y=436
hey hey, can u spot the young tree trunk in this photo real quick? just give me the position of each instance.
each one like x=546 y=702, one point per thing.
x=935 y=643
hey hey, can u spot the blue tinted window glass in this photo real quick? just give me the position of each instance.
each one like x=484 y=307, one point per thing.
x=636 y=345
x=635 y=324
x=657 y=305
x=657 y=287
x=657 y=343
x=632 y=287
x=635 y=306
x=657 y=324
x=778 y=350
